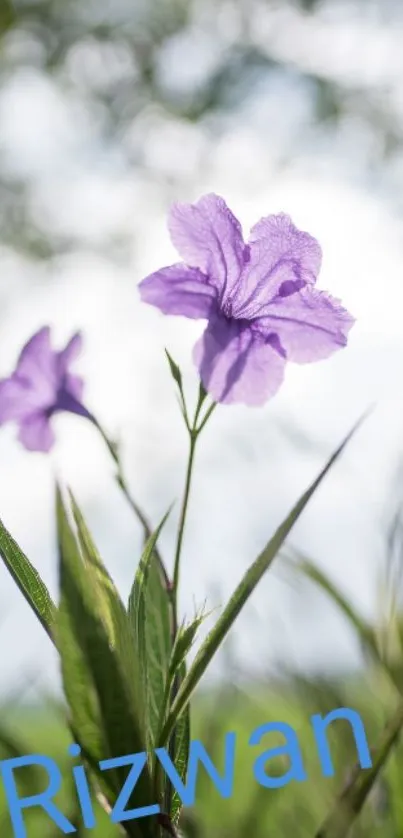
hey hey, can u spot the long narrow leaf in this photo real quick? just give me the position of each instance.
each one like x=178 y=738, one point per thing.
x=71 y=635
x=110 y=606
x=180 y=739
x=28 y=580
x=150 y=616
x=100 y=690
x=184 y=641
x=364 y=631
x=181 y=752
x=242 y=593
x=361 y=627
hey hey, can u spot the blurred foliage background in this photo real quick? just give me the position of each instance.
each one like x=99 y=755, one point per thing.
x=135 y=68
x=146 y=78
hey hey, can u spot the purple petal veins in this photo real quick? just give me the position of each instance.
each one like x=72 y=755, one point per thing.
x=259 y=298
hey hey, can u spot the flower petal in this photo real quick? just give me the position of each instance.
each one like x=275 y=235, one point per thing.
x=18 y=399
x=282 y=260
x=36 y=365
x=36 y=433
x=68 y=355
x=178 y=289
x=209 y=237
x=311 y=325
x=74 y=385
x=69 y=397
x=236 y=364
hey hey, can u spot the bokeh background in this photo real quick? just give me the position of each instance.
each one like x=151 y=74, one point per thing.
x=108 y=112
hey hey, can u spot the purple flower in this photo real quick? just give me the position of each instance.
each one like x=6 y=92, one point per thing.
x=259 y=298
x=41 y=385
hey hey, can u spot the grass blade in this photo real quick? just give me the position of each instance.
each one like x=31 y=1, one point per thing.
x=361 y=627
x=28 y=580
x=242 y=593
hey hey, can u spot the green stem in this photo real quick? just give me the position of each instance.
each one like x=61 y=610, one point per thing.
x=194 y=432
x=184 y=508
x=207 y=417
x=175 y=585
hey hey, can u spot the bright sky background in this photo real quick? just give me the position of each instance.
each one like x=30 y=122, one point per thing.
x=249 y=471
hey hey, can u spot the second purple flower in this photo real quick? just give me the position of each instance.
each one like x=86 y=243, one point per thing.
x=41 y=385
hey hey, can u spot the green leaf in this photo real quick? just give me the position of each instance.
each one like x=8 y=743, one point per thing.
x=179 y=742
x=395 y=790
x=28 y=580
x=181 y=751
x=99 y=681
x=177 y=377
x=349 y=803
x=184 y=640
x=110 y=605
x=175 y=371
x=364 y=631
x=241 y=595
x=151 y=620
x=77 y=602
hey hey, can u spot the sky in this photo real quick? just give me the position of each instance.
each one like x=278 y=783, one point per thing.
x=253 y=463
